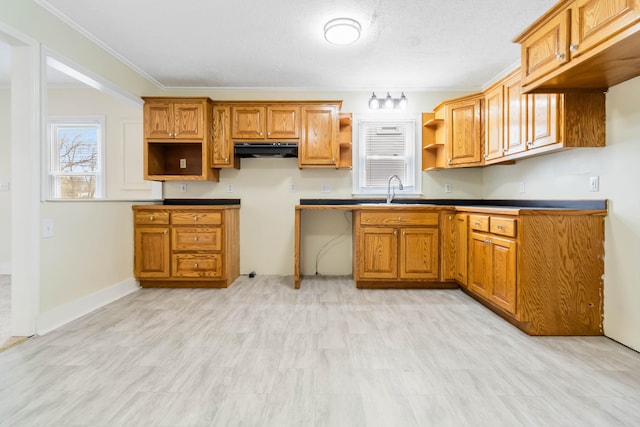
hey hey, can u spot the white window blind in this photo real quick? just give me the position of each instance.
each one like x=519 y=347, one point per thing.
x=386 y=148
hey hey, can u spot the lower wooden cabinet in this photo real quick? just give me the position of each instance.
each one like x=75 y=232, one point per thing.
x=542 y=271
x=397 y=249
x=461 y=232
x=184 y=246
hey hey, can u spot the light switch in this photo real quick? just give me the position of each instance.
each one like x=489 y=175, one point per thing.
x=47 y=228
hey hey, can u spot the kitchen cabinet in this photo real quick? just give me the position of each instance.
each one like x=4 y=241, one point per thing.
x=178 y=139
x=277 y=122
x=318 y=144
x=396 y=249
x=345 y=132
x=433 y=141
x=494 y=123
x=183 y=246
x=461 y=232
x=515 y=115
x=581 y=44
x=222 y=153
x=464 y=131
x=492 y=260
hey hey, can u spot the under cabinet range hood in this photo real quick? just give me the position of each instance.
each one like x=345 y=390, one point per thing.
x=266 y=149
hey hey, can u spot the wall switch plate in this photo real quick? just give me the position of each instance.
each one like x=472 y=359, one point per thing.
x=448 y=188
x=292 y=187
x=229 y=188
x=521 y=187
x=183 y=163
x=183 y=188
x=325 y=188
x=594 y=183
x=47 y=228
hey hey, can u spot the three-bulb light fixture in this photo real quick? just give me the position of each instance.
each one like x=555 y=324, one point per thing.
x=388 y=102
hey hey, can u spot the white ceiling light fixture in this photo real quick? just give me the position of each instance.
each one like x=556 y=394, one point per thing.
x=342 y=31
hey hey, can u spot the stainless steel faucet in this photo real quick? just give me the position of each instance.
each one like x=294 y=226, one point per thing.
x=391 y=195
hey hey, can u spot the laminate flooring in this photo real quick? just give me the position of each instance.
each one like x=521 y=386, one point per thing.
x=263 y=354
x=5 y=308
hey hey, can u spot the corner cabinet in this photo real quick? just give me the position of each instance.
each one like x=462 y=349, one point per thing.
x=184 y=246
x=397 y=249
x=178 y=139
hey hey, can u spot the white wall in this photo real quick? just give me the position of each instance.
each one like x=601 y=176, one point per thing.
x=566 y=175
x=5 y=177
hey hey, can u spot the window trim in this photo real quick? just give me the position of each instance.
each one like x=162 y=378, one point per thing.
x=357 y=189
x=100 y=179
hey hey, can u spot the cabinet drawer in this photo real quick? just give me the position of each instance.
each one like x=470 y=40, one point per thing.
x=197 y=265
x=479 y=222
x=398 y=218
x=192 y=218
x=196 y=239
x=503 y=226
x=151 y=217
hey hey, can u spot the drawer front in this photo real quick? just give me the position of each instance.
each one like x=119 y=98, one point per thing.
x=151 y=217
x=503 y=226
x=194 y=218
x=196 y=239
x=197 y=265
x=398 y=218
x=479 y=222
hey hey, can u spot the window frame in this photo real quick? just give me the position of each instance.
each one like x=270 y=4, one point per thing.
x=358 y=160
x=52 y=168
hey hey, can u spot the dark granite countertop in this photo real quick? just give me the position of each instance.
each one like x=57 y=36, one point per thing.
x=505 y=203
x=200 y=202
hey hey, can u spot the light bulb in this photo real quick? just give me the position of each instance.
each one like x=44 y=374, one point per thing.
x=374 y=103
x=403 y=102
x=388 y=101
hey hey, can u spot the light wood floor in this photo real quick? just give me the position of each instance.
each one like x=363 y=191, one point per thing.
x=5 y=308
x=263 y=354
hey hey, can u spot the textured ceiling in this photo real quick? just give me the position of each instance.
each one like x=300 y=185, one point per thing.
x=405 y=44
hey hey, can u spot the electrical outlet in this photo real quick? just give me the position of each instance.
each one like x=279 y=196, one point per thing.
x=521 y=187
x=183 y=163
x=229 y=188
x=4 y=186
x=292 y=187
x=594 y=183
x=448 y=188
x=325 y=188
x=183 y=188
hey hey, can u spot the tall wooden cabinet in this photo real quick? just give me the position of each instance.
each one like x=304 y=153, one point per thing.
x=178 y=139
x=184 y=246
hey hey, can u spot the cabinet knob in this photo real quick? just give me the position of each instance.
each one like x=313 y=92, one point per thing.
x=505 y=150
x=487 y=241
x=404 y=233
x=268 y=133
x=476 y=223
x=195 y=218
x=450 y=217
x=560 y=56
x=226 y=159
x=486 y=156
x=395 y=232
x=260 y=133
x=399 y=218
x=195 y=265
x=573 y=47
x=449 y=160
x=165 y=232
x=529 y=143
x=151 y=218
x=195 y=239
x=499 y=227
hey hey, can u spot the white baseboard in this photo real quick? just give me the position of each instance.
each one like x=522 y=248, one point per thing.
x=53 y=319
x=5 y=268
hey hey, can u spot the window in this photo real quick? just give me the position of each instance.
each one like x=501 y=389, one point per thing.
x=76 y=158
x=386 y=148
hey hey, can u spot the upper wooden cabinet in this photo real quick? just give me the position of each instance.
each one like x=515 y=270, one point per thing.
x=464 y=131
x=318 y=144
x=178 y=139
x=222 y=155
x=494 y=123
x=582 y=44
x=278 y=122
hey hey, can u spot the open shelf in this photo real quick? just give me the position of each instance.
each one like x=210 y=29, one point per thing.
x=433 y=122
x=344 y=141
x=177 y=161
x=433 y=149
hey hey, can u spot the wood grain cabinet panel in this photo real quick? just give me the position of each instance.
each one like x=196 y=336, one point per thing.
x=494 y=123
x=186 y=246
x=318 y=144
x=461 y=248
x=378 y=253
x=248 y=122
x=419 y=253
x=283 y=122
x=222 y=154
x=464 y=132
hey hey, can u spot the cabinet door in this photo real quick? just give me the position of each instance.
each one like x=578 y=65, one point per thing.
x=480 y=265
x=158 y=119
x=547 y=49
x=503 y=286
x=151 y=254
x=188 y=120
x=494 y=123
x=377 y=253
x=419 y=253
x=222 y=152
x=596 y=21
x=515 y=129
x=463 y=127
x=248 y=122
x=461 y=247
x=283 y=122
x=318 y=145
x=543 y=119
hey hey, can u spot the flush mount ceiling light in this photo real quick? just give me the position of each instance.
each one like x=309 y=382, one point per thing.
x=389 y=102
x=342 y=31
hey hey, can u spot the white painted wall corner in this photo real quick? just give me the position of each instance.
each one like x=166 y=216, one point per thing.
x=5 y=268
